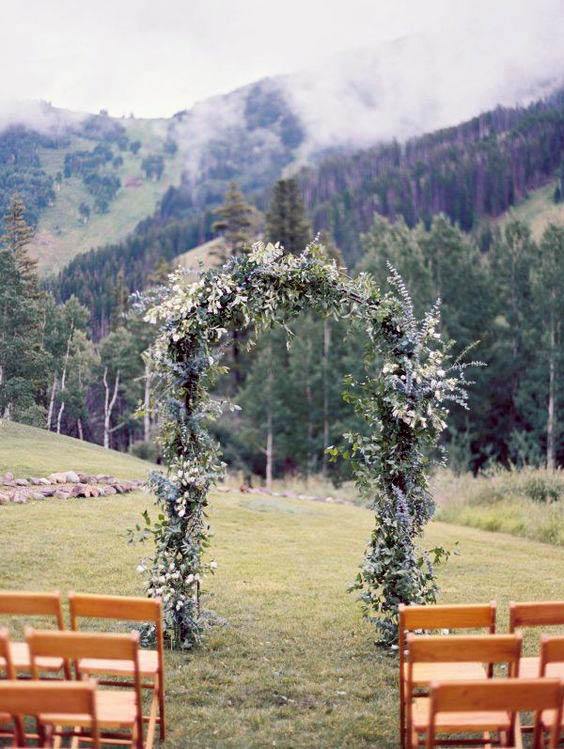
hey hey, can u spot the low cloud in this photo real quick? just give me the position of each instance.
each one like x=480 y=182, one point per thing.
x=420 y=83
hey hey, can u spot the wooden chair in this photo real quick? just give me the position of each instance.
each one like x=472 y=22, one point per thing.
x=48 y=702
x=22 y=603
x=479 y=650
x=151 y=661
x=427 y=618
x=492 y=706
x=551 y=665
x=536 y=614
x=117 y=710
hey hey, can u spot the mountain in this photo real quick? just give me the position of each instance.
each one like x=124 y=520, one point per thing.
x=88 y=180
x=473 y=172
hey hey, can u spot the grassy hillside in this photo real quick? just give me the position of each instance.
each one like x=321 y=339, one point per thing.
x=538 y=210
x=28 y=451
x=61 y=234
x=295 y=665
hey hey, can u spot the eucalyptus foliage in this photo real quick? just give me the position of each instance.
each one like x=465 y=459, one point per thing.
x=403 y=398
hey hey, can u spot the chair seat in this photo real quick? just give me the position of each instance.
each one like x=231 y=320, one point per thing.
x=115 y=709
x=22 y=661
x=425 y=673
x=458 y=721
x=148 y=665
x=529 y=668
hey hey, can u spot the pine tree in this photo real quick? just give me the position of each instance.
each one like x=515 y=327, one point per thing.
x=286 y=221
x=17 y=236
x=234 y=223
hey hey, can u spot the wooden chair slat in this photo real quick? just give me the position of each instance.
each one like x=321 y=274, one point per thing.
x=75 y=645
x=454 y=616
x=114 y=607
x=535 y=614
x=464 y=649
x=30 y=604
x=496 y=695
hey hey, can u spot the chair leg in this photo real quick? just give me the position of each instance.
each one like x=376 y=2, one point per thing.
x=149 y=741
x=159 y=686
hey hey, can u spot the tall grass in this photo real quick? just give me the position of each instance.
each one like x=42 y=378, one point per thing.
x=527 y=502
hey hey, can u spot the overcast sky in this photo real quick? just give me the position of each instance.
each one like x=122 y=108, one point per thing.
x=155 y=57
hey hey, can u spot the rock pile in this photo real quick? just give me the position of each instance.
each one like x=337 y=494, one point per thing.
x=63 y=485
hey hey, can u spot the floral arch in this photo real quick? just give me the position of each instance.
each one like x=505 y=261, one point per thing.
x=403 y=398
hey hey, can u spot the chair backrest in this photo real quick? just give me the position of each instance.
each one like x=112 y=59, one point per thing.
x=74 y=646
x=489 y=649
x=6 y=654
x=36 y=698
x=455 y=616
x=16 y=602
x=496 y=695
x=552 y=651
x=535 y=614
x=126 y=608
x=77 y=645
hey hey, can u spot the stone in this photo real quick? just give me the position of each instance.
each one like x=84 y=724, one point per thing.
x=19 y=498
x=108 y=490
x=9 y=476
x=72 y=477
x=57 y=478
x=44 y=482
x=22 y=482
x=37 y=495
x=8 y=482
x=86 y=478
x=94 y=491
x=78 y=490
x=62 y=494
x=34 y=481
x=4 y=498
x=48 y=491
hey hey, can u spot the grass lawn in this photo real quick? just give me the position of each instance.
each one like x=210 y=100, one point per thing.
x=296 y=666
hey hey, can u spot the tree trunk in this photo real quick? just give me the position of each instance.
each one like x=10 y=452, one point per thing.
x=63 y=380
x=79 y=428
x=309 y=402
x=326 y=348
x=51 y=403
x=550 y=449
x=147 y=403
x=109 y=403
x=269 y=427
x=269 y=449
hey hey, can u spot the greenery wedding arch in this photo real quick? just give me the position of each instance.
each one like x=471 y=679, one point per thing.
x=403 y=398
